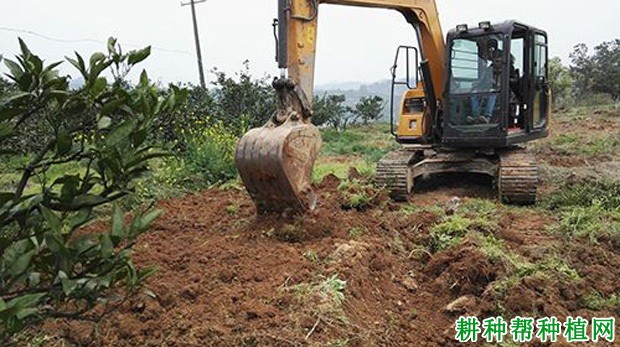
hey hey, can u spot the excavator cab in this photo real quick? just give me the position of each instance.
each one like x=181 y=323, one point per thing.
x=497 y=90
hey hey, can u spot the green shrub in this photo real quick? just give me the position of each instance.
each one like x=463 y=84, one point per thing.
x=209 y=153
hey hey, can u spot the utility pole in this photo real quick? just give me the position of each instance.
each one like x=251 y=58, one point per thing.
x=198 y=53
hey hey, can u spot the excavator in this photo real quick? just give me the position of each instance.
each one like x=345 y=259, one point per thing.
x=469 y=102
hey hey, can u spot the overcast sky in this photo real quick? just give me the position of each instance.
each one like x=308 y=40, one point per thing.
x=354 y=44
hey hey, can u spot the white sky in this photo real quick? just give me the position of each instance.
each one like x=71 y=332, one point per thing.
x=354 y=44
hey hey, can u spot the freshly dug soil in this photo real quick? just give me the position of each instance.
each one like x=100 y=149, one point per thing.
x=229 y=278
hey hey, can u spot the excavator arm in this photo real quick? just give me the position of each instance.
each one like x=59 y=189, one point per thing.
x=298 y=30
x=275 y=161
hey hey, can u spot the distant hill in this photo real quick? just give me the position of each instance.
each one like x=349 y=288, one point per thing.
x=353 y=91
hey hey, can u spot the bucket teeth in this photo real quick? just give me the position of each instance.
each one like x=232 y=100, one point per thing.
x=275 y=164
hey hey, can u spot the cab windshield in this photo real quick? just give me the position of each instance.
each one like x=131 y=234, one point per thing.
x=475 y=82
x=476 y=64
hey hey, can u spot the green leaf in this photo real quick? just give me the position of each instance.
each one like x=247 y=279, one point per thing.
x=24 y=48
x=34 y=279
x=26 y=312
x=22 y=263
x=51 y=66
x=96 y=57
x=15 y=97
x=14 y=251
x=146 y=157
x=26 y=205
x=78 y=64
x=118 y=232
x=99 y=86
x=139 y=137
x=55 y=244
x=142 y=222
x=138 y=56
x=64 y=142
x=2 y=304
x=14 y=68
x=5 y=197
x=111 y=44
x=86 y=200
x=144 y=79
x=54 y=222
x=79 y=219
x=107 y=247
x=25 y=82
x=146 y=273
x=104 y=122
x=112 y=107
x=83 y=244
x=6 y=130
x=21 y=303
x=69 y=188
x=8 y=112
x=67 y=285
x=120 y=134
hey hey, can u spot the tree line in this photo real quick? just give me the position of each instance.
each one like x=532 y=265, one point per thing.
x=591 y=77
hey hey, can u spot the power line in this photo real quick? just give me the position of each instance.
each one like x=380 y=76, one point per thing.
x=34 y=33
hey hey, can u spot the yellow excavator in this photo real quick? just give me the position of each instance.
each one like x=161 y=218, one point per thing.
x=469 y=101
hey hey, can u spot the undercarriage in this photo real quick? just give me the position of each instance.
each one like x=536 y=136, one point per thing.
x=514 y=170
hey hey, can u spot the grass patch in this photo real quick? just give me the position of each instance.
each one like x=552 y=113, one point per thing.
x=596 y=301
x=589 y=210
x=341 y=170
x=604 y=143
x=584 y=194
x=324 y=298
x=11 y=173
x=357 y=195
x=518 y=268
x=474 y=216
x=356 y=233
x=591 y=223
x=370 y=142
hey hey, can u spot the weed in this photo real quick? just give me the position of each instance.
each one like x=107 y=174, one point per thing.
x=312 y=256
x=596 y=301
x=357 y=195
x=409 y=209
x=232 y=209
x=333 y=289
x=288 y=233
x=551 y=267
x=452 y=229
x=324 y=298
x=356 y=233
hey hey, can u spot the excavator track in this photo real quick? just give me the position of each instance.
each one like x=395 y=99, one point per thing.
x=518 y=178
x=394 y=174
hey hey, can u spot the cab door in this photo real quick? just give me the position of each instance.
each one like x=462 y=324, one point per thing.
x=539 y=81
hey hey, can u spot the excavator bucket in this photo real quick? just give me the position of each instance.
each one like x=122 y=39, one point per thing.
x=275 y=163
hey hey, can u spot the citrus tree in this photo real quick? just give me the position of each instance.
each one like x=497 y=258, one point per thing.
x=49 y=266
